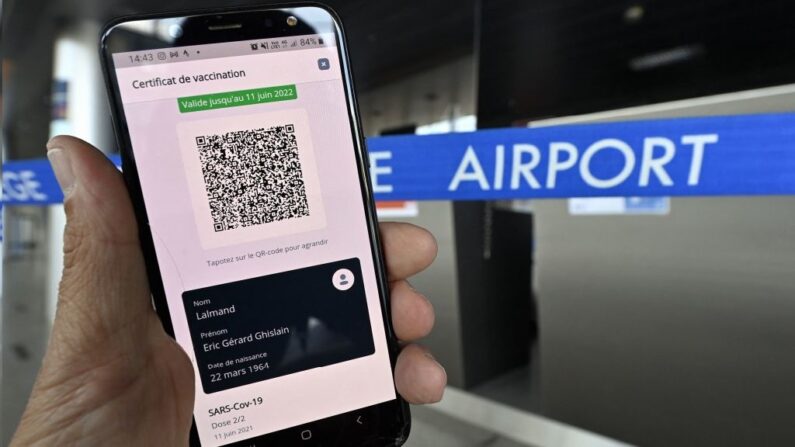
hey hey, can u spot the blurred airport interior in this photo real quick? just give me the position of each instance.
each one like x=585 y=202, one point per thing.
x=574 y=322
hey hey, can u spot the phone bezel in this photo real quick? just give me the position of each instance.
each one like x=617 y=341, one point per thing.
x=392 y=420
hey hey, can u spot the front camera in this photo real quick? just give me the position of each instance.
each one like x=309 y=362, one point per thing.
x=175 y=31
x=292 y=21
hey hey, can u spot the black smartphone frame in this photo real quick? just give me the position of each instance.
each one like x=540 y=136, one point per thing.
x=388 y=423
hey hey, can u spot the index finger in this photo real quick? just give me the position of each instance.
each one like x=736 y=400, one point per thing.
x=408 y=249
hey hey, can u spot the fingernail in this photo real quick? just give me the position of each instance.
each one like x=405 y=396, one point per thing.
x=62 y=166
x=430 y=356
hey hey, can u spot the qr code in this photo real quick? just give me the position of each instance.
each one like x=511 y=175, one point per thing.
x=252 y=177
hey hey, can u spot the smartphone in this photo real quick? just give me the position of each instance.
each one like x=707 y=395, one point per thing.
x=242 y=151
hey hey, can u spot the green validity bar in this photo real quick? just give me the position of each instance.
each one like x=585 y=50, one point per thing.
x=238 y=98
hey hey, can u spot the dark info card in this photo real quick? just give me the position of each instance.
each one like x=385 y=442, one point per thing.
x=266 y=327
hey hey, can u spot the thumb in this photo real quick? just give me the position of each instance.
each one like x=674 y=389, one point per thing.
x=104 y=286
x=108 y=352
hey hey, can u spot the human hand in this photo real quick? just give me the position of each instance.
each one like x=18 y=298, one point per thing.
x=111 y=375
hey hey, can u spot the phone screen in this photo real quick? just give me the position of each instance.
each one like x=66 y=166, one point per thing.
x=247 y=162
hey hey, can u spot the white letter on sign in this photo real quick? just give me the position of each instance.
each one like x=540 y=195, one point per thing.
x=376 y=171
x=29 y=180
x=499 y=166
x=22 y=186
x=649 y=163
x=585 y=164
x=477 y=174
x=525 y=169
x=698 y=142
x=555 y=165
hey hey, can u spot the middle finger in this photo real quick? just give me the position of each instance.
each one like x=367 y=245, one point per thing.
x=412 y=313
